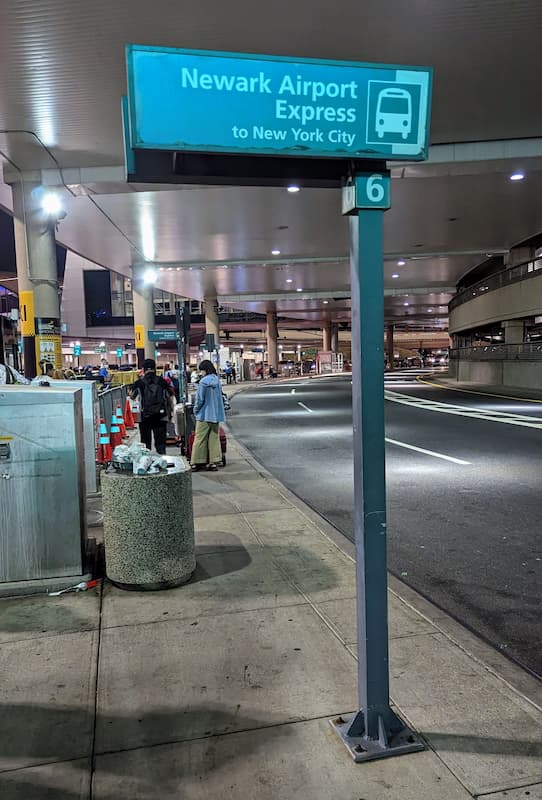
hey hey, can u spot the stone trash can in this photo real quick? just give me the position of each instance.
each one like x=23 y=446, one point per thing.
x=149 y=528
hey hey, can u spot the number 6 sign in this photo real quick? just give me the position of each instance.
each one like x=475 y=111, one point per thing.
x=368 y=190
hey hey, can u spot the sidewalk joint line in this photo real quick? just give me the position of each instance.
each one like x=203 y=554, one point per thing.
x=169 y=742
x=96 y=685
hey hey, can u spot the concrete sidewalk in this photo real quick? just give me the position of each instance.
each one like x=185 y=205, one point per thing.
x=223 y=688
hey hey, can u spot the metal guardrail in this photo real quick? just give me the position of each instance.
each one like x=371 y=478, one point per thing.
x=499 y=352
x=521 y=272
x=109 y=399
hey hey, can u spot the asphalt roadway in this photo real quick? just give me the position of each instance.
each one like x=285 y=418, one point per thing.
x=464 y=506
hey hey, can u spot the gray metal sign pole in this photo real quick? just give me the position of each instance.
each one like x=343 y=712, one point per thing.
x=374 y=731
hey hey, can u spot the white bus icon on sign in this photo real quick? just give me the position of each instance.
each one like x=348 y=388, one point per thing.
x=394 y=112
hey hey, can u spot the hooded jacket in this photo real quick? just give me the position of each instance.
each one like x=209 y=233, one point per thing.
x=209 y=406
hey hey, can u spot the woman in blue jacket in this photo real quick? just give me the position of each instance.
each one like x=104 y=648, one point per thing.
x=209 y=412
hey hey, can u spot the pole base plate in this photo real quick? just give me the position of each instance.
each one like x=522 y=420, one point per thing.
x=394 y=739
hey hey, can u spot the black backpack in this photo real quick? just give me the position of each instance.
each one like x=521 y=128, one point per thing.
x=153 y=402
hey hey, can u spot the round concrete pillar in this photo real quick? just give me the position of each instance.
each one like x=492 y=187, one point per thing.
x=272 y=341
x=149 y=528
x=142 y=294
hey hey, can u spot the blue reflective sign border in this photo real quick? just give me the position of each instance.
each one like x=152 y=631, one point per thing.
x=215 y=102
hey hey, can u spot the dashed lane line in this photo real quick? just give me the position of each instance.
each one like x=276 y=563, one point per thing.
x=428 y=452
x=306 y=407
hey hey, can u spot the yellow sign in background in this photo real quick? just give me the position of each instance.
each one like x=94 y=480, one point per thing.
x=26 y=313
x=49 y=348
x=139 y=336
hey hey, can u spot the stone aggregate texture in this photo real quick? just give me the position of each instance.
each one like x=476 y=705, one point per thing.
x=149 y=528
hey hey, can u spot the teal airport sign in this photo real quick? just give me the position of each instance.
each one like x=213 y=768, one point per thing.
x=213 y=102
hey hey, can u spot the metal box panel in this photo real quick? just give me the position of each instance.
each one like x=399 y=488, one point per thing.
x=41 y=483
x=91 y=422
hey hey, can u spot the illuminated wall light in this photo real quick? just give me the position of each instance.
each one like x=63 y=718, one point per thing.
x=401 y=263
x=149 y=276
x=289 y=280
x=293 y=188
x=275 y=252
x=51 y=204
x=299 y=290
x=517 y=176
x=395 y=275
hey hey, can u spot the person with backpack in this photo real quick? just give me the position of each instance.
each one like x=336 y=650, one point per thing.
x=155 y=398
x=209 y=413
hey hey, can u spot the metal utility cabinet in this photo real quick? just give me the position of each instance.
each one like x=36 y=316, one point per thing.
x=42 y=529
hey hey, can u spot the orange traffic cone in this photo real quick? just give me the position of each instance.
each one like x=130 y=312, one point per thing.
x=104 y=453
x=128 y=416
x=116 y=436
x=120 y=420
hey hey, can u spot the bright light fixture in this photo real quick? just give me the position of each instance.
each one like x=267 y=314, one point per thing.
x=299 y=290
x=517 y=176
x=275 y=252
x=51 y=204
x=293 y=188
x=395 y=275
x=326 y=302
x=429 y=310
x=102 y=344
x=289 y=280
x=149 y=276
x=401 y=263
x=405 y=304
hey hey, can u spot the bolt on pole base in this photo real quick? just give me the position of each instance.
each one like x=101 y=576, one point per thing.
x=394 y=737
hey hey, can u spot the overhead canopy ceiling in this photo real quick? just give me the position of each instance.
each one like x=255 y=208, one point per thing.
x=62 y=74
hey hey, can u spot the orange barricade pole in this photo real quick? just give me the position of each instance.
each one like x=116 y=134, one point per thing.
x=120 y=420
x=116 y=436
x=128 y=416
x=104 y=447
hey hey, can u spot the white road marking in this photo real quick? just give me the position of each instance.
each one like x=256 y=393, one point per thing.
x=464 y=411
x=428 y=452
x=306 y=408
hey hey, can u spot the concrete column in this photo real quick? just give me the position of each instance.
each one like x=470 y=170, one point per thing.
x=514 y=331
x=390 y=347
x=37 y=276
x=211 y=318
x=272 y=341
x=326 y=332
x=335 y=338
x=143 y=313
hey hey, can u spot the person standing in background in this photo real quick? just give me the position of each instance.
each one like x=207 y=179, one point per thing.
x=209 y=413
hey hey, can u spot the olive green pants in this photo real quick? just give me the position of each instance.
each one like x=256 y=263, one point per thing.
x=206 y=442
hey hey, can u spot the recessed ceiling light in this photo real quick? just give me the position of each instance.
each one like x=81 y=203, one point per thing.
x=517 y=176
x=401 y=263
x=293 y=188
x=275 y=252
x=395 y=275
x=289 y=280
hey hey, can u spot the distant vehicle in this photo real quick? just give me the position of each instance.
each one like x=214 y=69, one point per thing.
x=394 y=112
